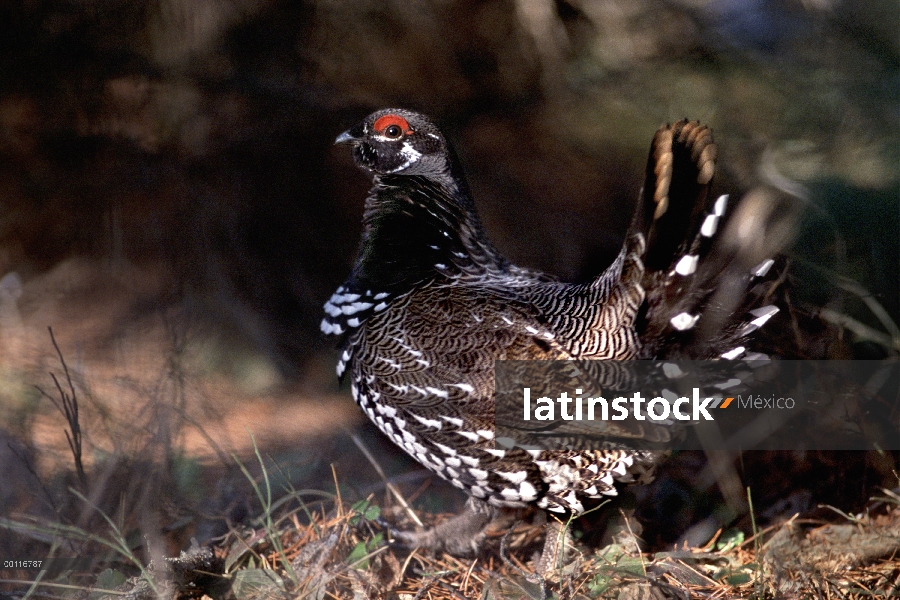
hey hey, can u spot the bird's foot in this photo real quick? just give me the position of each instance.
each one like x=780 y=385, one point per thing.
x=460 y=535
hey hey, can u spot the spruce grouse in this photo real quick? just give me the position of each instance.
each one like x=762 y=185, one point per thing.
x=431 y=304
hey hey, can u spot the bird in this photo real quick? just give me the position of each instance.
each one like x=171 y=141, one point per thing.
x=431 y=304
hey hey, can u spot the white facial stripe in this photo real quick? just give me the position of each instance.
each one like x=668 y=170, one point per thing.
x=409 y=153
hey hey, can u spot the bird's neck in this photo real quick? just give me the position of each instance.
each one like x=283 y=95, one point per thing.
x=419 y=228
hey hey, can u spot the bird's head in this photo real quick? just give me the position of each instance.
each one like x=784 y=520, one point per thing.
x=396 y=141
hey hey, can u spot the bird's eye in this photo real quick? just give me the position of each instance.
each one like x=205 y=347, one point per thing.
x=392 y=126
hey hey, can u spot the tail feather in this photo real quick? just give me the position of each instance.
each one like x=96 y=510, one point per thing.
x=709 y=284
x=679 y=172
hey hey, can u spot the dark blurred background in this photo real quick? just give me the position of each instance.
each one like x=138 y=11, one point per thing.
x=193 y=137
x=175 y=158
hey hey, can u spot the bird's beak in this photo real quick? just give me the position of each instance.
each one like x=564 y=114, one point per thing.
x=346 y=138
x=354 y=135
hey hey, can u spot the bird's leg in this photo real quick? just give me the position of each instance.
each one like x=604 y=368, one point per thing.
x=460 y=535
x=558 y=546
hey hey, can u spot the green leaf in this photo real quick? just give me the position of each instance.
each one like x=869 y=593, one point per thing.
x=376 y=540
x=366 y=510
x=257 y=584
x=730 y=539
x=108 y=579
x=734 y=576
x=738 y=579
x=362 y=549
x=357 y=554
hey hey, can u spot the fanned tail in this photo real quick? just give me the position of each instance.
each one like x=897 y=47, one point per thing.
x=708 y=283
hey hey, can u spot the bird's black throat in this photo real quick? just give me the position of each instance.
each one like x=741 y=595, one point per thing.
x=418 y=229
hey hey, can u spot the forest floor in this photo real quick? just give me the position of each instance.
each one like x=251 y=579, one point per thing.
x=173 y=461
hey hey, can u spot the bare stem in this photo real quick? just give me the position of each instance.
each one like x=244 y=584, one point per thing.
x=68 y=406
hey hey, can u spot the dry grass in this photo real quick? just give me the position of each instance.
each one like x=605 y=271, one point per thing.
x=311 y=544
x=334 y=550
